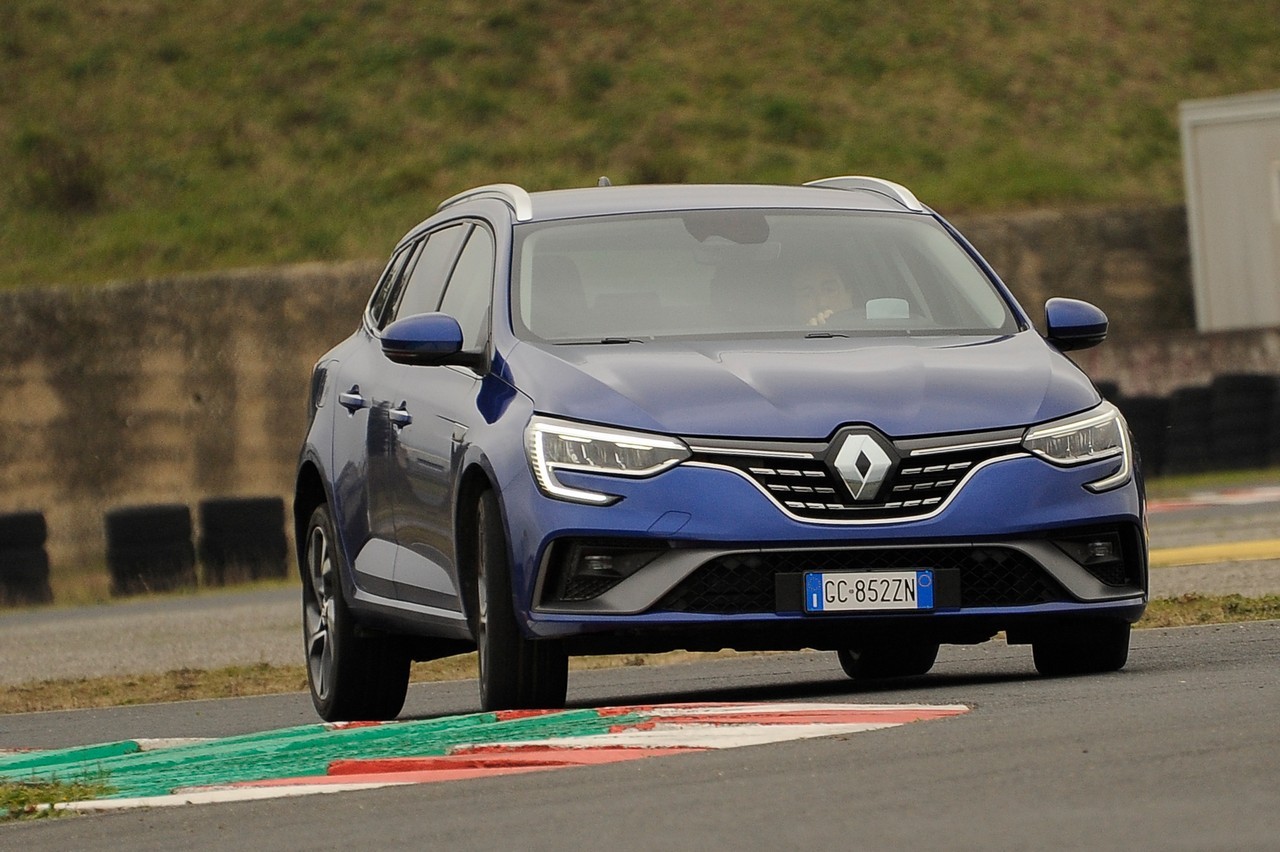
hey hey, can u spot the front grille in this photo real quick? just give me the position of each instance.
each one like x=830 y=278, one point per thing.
x=744 y=583
x=811 y=488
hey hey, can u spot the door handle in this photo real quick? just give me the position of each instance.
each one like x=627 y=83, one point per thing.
x=400 y=416
x=351 y=400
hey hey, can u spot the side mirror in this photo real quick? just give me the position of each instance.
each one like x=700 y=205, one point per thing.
x=1074 y=324
x=422 y=339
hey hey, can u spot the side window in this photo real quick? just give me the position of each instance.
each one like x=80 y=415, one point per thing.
x=470 y=290
x=387 y=285
x=421 y=292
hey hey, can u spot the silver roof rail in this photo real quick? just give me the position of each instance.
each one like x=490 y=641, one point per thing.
x=895 y=191
x=515 y=197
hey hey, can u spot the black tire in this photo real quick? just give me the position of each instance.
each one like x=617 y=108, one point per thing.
x=1188 y=446
x=515 y=673
x=24 y=576
x=1084 y=649
x=889 y=657
x=142 y=568
x=22 y=529
x=148 y=525
x=1241 y=410
x=242 y=538
x=351 y=677
x=1148 y=418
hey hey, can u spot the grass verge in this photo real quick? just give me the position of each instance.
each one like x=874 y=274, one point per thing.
x=264 y=679
x=22 y=800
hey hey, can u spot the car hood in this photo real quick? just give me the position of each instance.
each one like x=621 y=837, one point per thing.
x=804 y=389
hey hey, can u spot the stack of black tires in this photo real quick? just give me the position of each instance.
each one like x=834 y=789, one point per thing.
x=242 y=538
x=152 y=548
x=1231 y=424
x=24 y=563
x=149 y=549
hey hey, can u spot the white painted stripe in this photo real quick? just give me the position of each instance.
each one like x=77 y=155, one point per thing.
x=710 y=736
x=159 y=743
x=229 y=794
x=780 y=708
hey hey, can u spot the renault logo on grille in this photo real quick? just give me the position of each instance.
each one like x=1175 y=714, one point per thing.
x=864 y=465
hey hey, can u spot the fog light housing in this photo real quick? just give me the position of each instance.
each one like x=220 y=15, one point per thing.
x=583 y=570
x=1101 y=554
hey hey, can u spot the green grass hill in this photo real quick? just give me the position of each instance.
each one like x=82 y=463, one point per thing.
x=143 y=137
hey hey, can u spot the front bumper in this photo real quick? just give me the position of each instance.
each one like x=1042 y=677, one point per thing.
x=721 y=566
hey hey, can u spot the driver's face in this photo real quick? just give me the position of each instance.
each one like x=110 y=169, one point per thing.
x=818 y=289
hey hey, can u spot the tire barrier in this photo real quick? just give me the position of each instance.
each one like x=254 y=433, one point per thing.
x=149 y=549
x=1148 y=418
x=1109 y=390
x=24 y=564
x=242 y=539
x=1231 y=424
x=1273 y=433
x=1241 y=415
x=1188 y=440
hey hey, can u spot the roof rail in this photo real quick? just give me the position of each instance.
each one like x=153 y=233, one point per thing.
x=895 y=191
x=515 y=197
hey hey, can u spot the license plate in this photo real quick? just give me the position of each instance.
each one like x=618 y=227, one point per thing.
x=848 y=591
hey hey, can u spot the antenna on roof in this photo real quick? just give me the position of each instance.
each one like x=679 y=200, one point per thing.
x=604 y=181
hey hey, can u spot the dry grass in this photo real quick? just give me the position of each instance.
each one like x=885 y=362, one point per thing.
x=1192 y=609
x=258 y=679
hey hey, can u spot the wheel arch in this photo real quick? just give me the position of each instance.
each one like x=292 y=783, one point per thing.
x=475 y=480
x=309 y=492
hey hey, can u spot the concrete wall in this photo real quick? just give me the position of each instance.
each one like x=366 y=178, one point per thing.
x=161 y=391
x=1133 y=263
x=193 y=387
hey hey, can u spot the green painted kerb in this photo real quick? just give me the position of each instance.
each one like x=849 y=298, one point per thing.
x=292 y=752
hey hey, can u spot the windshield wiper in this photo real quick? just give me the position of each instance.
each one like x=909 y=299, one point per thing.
x=606 y=340
x=823 y=335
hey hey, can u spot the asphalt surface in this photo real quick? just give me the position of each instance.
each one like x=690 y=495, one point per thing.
x=1181 y=750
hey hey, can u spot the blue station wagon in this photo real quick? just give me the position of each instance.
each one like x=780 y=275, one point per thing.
x=645 y=418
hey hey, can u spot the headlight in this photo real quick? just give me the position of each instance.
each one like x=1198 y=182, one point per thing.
x=553 y=445
x=1092 y=436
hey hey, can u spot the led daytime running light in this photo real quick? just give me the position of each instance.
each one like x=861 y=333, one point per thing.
x=1096 y=435
x=553 y=445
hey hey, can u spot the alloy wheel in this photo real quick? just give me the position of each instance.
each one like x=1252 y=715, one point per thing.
x=317 y=610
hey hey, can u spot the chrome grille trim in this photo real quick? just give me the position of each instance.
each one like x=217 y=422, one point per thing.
x=738 y=451
x=928 y=511
x=960 y=448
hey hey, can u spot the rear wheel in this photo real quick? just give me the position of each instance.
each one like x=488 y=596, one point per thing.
x=352 y=677
x=890 y=657
x=515 y=672
x=1085 y=649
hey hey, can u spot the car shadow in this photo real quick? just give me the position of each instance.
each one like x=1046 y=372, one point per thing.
x=837 y=688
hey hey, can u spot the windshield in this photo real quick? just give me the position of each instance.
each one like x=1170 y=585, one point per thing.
x=748 y=273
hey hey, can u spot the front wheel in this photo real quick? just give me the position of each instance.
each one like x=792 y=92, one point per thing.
x=1086 y=649
x=889 y=657
x=352 y=677
x=515 y=672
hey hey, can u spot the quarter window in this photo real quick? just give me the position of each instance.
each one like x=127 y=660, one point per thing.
x=470 y=290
